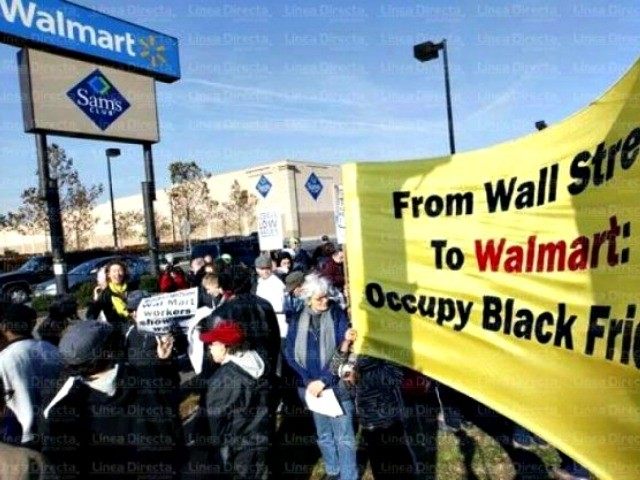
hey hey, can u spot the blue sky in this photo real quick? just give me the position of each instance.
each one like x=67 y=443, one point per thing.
x=335 y=82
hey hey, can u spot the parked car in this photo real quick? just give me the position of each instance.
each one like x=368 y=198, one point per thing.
x=86 y=273
x=16 y=285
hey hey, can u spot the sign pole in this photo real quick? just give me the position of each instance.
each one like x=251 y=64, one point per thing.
x=148 y=196
x=49 y=192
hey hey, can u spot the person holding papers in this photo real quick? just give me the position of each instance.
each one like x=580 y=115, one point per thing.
x=312 y=339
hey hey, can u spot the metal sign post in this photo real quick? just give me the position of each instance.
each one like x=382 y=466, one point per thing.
x=49 y=192
x=148 y=197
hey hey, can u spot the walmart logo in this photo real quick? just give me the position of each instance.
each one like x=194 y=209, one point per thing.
x=99 y=100
x=152 y=51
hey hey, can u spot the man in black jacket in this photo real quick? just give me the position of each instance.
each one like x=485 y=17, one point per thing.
x=254 y=314
x=107 y=421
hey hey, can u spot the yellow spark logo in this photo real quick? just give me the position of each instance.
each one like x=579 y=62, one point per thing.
x=152 y=51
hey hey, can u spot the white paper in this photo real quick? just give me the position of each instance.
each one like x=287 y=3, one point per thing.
x=195 y=350
x=326 y=404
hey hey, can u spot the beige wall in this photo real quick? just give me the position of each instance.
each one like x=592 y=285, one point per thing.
x=302 y=215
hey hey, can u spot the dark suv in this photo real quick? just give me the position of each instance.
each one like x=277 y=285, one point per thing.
x=15 y=286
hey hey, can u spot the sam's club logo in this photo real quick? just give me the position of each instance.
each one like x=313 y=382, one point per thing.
x=314 y=186
x=99 y=99
x=263 y=186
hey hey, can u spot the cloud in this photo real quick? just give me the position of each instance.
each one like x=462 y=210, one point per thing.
x=338 y=105
x=228 y=92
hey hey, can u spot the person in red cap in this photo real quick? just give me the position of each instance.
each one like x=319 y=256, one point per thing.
x=237 y=403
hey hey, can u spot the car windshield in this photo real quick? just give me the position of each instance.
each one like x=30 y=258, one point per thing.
x=86 y=267
x=34 y=264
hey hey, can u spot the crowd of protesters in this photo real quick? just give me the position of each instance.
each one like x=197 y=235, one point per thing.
x=98 y=398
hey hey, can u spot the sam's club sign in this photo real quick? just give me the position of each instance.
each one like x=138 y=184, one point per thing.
x=83 y=32
x=99 y=99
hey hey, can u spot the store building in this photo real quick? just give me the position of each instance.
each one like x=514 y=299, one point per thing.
x=302 y=192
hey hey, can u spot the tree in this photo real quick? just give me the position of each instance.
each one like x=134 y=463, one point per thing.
x=76 y=202
x=31 y=217
x=163 y=226
x=77 y=213
x=189 y=193
x=128 y=224
x=240 y=210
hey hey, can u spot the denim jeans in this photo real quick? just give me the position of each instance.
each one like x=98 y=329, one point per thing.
x=337 y=442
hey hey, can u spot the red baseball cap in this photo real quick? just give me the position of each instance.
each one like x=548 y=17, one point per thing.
x=226 y=332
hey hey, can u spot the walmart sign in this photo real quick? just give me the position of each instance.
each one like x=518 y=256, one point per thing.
x=82 y=32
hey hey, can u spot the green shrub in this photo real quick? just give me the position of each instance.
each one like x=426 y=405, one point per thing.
x=42 y=304
x=84 y=294
x=149 y=283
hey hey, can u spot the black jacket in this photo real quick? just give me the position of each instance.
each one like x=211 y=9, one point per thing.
x=377 y=392
x=257 y=318
x=237 y=407
x=134 y=434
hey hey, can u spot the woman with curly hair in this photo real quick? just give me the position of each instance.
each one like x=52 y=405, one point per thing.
x=110 y=299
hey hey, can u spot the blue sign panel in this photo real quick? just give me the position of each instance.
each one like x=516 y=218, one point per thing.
x=82 y=32
x=263 y=186
x=314 y=186
x=99 y=99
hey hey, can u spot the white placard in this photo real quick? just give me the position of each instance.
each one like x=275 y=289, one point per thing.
x=338 y=214
x=270 y=233
x=160 y=314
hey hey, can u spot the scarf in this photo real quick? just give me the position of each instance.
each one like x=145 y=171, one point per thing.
x=118 y=299
x=327 y=337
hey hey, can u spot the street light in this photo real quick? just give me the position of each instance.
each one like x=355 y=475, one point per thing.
x=426 y=51
x=112 y=152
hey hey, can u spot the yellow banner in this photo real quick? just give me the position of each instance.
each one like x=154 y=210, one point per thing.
x=512 y=273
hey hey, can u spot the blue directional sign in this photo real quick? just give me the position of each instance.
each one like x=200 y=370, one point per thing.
x=99 y=99
x=314 y=186
x=81 y=32
x=263 y=186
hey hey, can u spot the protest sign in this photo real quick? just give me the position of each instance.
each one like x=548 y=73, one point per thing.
x=270 y=233
x=163 y=313
x=512 y=274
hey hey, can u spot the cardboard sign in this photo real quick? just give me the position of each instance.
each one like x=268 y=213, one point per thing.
x=164 y=313
x=270 y=233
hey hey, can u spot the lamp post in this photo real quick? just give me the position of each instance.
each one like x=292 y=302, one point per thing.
x=112 y=152
x=426 y=51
